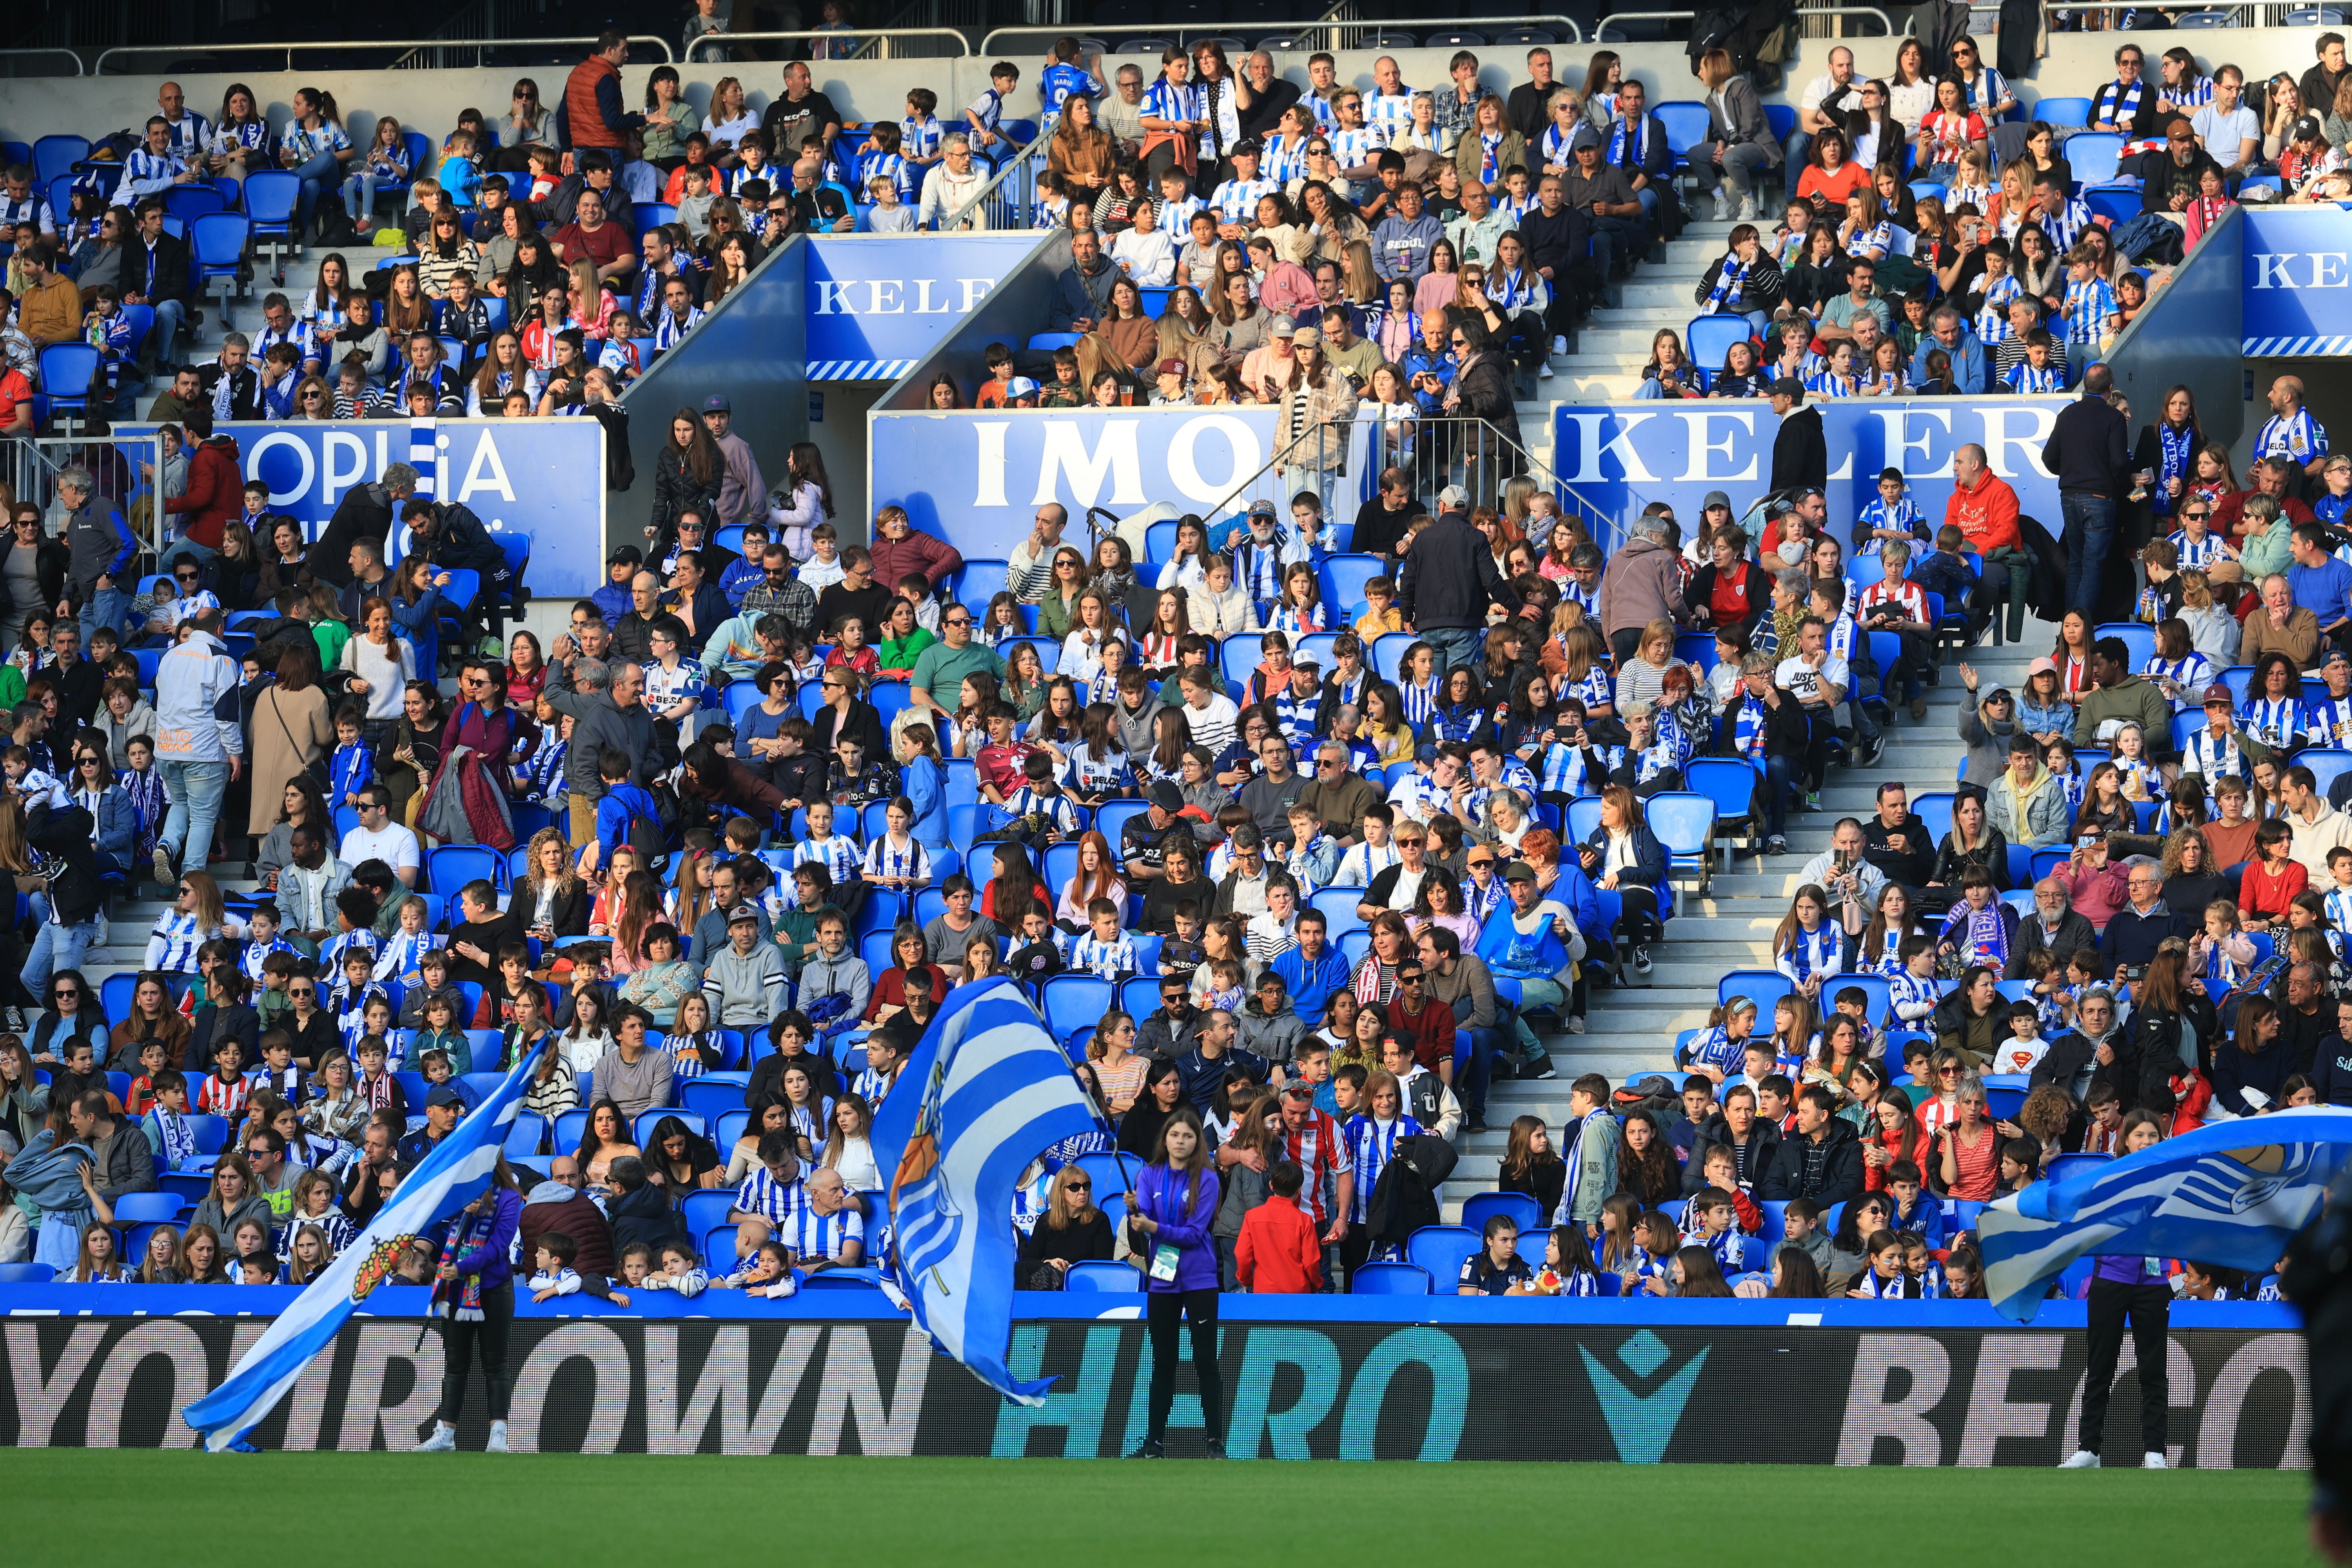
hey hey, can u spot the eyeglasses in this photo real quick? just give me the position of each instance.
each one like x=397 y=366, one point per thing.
x=65 y=994
x=957 y=621
x=301 y=991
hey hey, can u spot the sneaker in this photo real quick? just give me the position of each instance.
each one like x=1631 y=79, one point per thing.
x=1918 y=709
x=1544 y=372
x=1478 y=1122
x=164 y=872
x=17 y=1020
x=1776 y=845
x=1746 y=213
x=1812 y=799
x=1560 y=347
x=1576 y=1025
x=1213 y=1448
x=1544 y=1068
x=443 y=1441
x=497 y=1442
x=1870 y=751
x=1722 y=205
x=1640 y=958
x=2152 y=1462
x=2081 y=1459
x=1148 y=1450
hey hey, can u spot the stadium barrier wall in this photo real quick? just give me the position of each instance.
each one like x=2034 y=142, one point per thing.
x=2188 y=333
x=1623 y=456
x=1847 y=1382
x=543 y=479
x=429 y=100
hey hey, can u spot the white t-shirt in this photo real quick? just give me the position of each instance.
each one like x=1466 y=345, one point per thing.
x=393 y=845
x=1803 y=683
x=2225 y=136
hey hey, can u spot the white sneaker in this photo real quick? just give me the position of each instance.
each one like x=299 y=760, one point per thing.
x=1746 y=213
x=1722 y=205
x=2081 y=1459
x=2152 y=1462
x=1560 y=347
x=443 y=1441
x=497 y=1442
x=1544 y=372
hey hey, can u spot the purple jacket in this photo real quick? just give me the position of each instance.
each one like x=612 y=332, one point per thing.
x=1160 y=1197
x=490 y=1261
x=2125 y=1271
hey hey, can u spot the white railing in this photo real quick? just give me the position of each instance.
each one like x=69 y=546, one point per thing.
x=1615 y=20
x=1337 y=33
x=291 y=49
x=871 y=44
x=1009 y=200
x=7 y=55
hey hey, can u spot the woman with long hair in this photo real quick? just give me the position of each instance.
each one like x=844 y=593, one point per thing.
x=1081 y=152
x=605 y=1138
x=1071 y=1230
x=1161 y=1096
x=1647 y=1167
x=801 y=502
x=1530 y=1165
x=291 y=731
x=2131 y=1292
x=1892 y=1133
x=688 y=474
x=1168 y=1214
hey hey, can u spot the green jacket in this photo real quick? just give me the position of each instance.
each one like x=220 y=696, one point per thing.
x=2130 y=698
x=795 y=929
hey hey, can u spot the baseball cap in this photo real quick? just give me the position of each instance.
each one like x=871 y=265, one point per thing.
x=2308 y=129
x=1021 y=386
x=2042 y=665
x=1167 y=796
x=1282 y=326
x=1300 y=334
x=1247 y=144
x=2218 y=694
x=1173 y=367
x=1453 y=498
x=1789 y=386
x=1518 y=871
x=743 y=912
x=718 y=402
x=626 y=554
x=1585 y=137
x=1716 y=498
x=444 y=1095
x=1262 y=508
x=2334 y=656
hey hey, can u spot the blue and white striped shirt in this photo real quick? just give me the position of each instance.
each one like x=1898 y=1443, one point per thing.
x=838 y=855
x=2198 y=554
x=670 y=332
x=2088 y=305
x=772 y=1200
x=2024 y=377
x=1371 y=1146
x=2296 y=436
x=2275 y=721
x=808 y=1234
x=1235 y=201
x=885 y=858
x=146 y=173
x=1113 y=960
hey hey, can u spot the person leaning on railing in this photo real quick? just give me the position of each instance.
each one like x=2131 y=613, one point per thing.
x=951 y=190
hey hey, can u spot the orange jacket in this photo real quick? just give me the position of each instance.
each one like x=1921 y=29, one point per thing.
x=1986 y=514
x=1278 y=1253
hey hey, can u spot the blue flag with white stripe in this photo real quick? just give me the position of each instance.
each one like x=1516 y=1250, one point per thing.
x=444 y=1182
x=985 y=1093
x=2231 y=1193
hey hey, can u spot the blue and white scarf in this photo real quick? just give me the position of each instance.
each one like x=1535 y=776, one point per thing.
x=1724 y=296
x=2296 y=436
x=2179 y=446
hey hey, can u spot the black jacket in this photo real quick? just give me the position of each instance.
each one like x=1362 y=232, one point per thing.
x=644 y=1215
x=66 y=842
x=1484 y=387
x=1561 y=241
x=245 y=389
x=2132 y=938
x=2074 y=930
x=1838 y=1180
x=2089 y=448
x=1449 y=578
x=1913 y=866
x=1715 y=1130
x=676 y=490
x=1786 y=732
x=365 y=512
x=171 y=259
x=2070 y=1057
x=1801 y=453
x=51 y=559
x=460 y=540
x=2161 y=179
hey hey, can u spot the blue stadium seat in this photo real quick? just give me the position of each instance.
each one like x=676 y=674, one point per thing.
x=452 y=866
x=1934 y=810
x=1104 y=1277
x=1439 y=1249
x=526 y=1137
x=1075 y=1002
x=976 y=582
x=1762 y=986
x=1390 y=1279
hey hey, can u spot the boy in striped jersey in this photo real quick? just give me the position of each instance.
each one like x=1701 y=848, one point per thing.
x=1103 y=948
x=2338 y=901
x=1177 y=205
x=2090 y=307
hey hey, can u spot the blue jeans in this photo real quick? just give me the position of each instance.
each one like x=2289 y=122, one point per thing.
x=1534 y=994
x=1324 y=482
x=316 y=175
x=185 y=546
x=195 y=789
x=1793 y=154
x=171 y=320
x=359 y=197
x=1478 y=1072
x=1457 y=645
x=104 y=607
x=1778 y=783
x=2089 y=524
x=57 y=947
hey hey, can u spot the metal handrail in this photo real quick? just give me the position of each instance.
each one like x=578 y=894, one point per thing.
x=78 y=71
x=100 y=67
x=1322 y=23
x=2105 y=6
x=1022 y=166
x=869 y=39
x=1884 y=19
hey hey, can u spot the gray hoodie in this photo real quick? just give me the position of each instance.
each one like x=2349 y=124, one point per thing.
x=1274 y=1035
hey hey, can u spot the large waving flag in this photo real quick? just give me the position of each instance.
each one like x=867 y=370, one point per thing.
x=2231 y=1193
x=444 y=1182
x=985 y=1093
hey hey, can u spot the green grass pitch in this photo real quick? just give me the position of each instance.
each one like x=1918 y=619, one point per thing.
x=141 y=1508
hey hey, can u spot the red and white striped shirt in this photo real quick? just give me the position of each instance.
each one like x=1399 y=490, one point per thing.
x=1896 y=591
x=1317 y=1149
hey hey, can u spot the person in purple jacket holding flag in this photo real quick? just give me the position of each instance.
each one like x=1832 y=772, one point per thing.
x=2135 y=1289
x=473 y=1297
x=1168 y=1229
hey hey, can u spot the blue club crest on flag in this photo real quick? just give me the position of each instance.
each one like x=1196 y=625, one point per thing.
x=2231 y=1193
x=985 y=1093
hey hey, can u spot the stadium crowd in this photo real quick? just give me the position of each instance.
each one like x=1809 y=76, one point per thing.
x=1359 y=795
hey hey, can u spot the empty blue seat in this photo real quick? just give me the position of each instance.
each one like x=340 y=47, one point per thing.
x=1390 y=1279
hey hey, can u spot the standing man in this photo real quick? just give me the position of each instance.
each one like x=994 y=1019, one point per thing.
x=800 y=113
x=1817 y=679
x=1800 y=452
x=366 y=511
x=592 y=114
x=1448 y=581
x=2089 y=449
x=1827 y=100
x=743 y=490
x=2232 y=132
x=1642 y=584
x=1261 y=96
x=1311 y=1139
x=1985 y=509
x=607 y=713
x=101 y=549
x=2292 y=433
x=1527 y=111
x=199 y=740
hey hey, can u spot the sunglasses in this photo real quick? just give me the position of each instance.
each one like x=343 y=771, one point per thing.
x=1081 y=1186
x=301 y=991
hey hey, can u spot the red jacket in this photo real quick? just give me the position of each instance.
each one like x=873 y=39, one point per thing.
x=216 y=491
x=1278 y=1253
x=919 y=552
x=1431 y=1034
x=1987 y=515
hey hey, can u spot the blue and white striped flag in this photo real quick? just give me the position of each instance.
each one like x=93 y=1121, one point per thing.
x=444 y=1182
x=2231 y=1193
x=986 y=1092
x=425 y=456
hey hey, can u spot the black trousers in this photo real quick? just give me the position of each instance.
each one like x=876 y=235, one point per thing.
x=1820 y=724
x=2149 y=1310
x=1165 y=1309
x=460 y=1340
